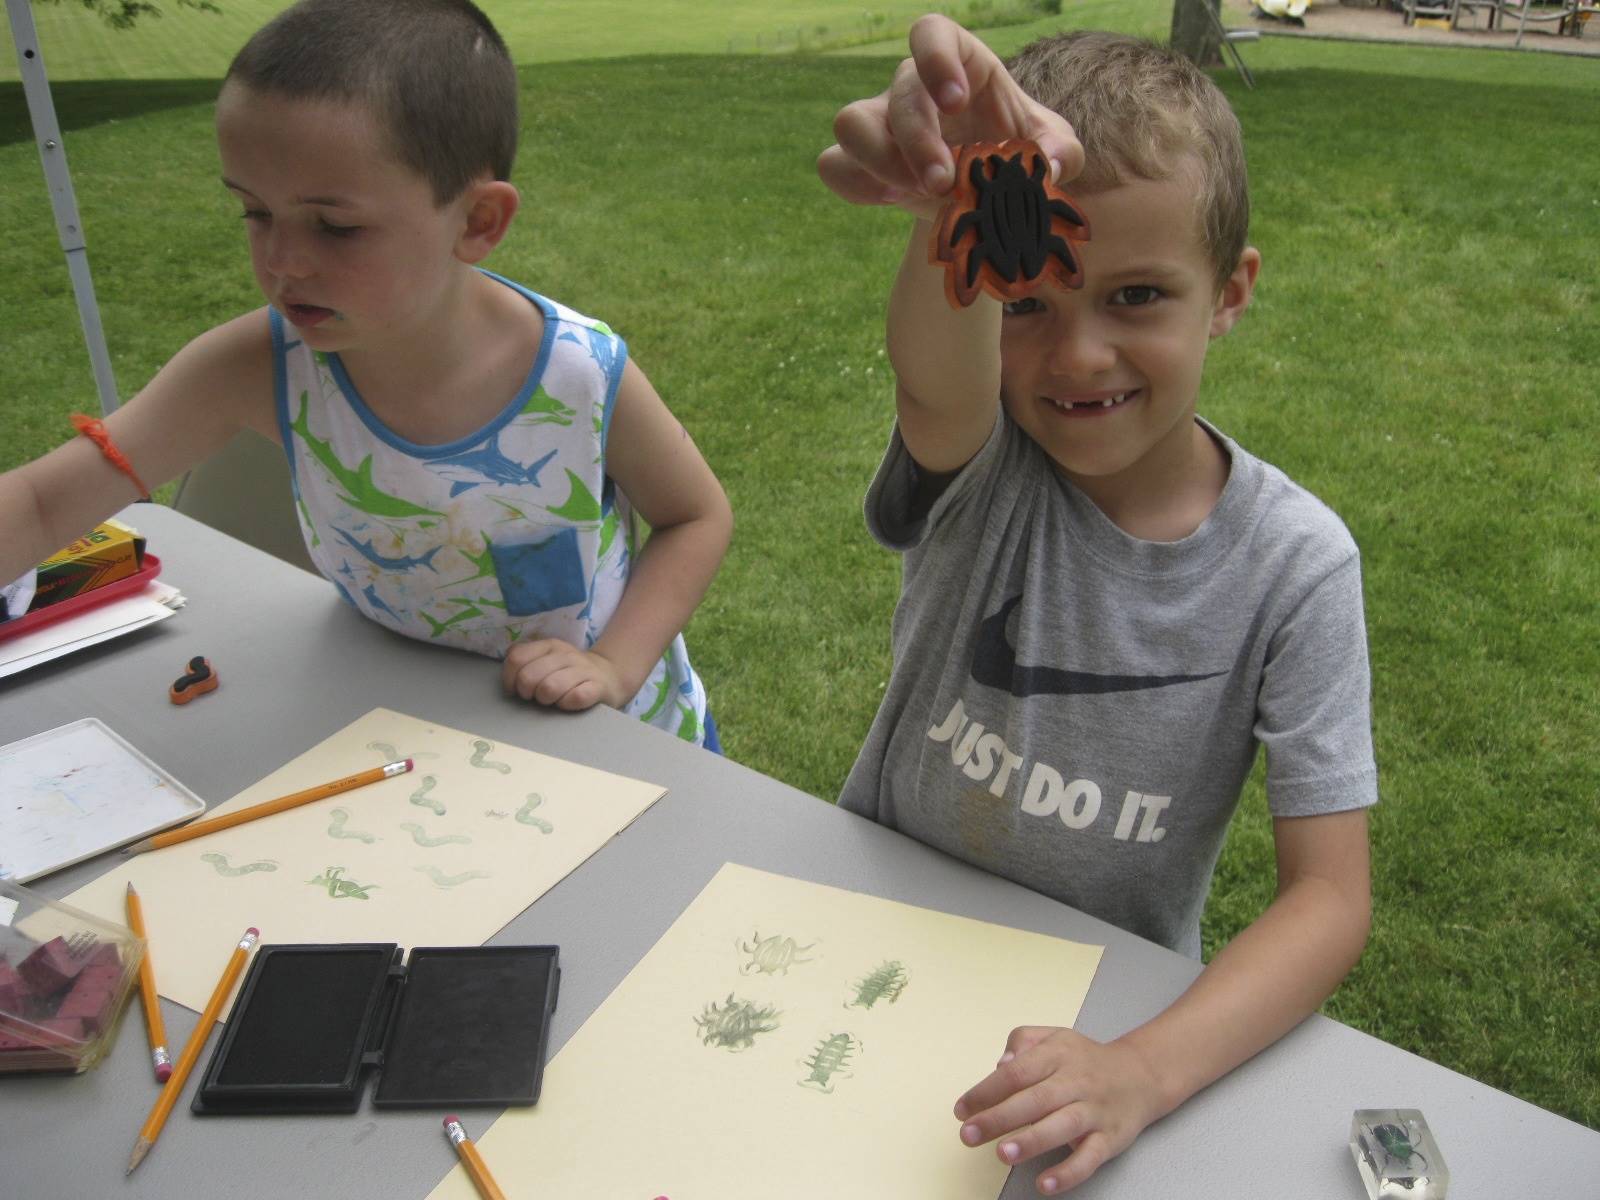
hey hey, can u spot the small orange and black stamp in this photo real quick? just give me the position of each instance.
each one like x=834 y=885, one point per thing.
x=199 y=679
x=1006 y=229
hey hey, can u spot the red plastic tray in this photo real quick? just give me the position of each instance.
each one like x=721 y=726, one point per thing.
x=126 y=586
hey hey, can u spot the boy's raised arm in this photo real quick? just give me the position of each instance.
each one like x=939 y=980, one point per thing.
x=207 y=392
x=894 y=148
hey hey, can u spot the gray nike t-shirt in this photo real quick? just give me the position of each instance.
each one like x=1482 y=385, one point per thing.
x=1076 y=709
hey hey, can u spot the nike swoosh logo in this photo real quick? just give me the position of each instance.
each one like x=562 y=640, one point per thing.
x=994 y=664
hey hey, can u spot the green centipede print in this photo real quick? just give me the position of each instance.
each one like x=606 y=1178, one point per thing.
x=829 y=1060
x=885 y=982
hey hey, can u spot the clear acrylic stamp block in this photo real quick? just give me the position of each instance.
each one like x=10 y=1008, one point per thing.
x=1397 y=1156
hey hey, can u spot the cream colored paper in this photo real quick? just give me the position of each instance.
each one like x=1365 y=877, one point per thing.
x=639 y=1105
x=443 y=855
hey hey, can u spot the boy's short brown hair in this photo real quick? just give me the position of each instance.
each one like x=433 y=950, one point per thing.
x=1143 y=111
x=434 y=73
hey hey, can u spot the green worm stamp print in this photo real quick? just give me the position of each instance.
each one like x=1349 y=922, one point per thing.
x=450 y=881
x=220 y=863
x=480 y=751
x=525 y=814
x=420 y=796
x=419 y=835
x=336 y=829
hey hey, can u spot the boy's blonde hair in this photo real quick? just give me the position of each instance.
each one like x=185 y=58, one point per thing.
x=1143 y=111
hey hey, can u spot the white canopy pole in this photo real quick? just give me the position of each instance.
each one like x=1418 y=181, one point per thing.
x=47 y=134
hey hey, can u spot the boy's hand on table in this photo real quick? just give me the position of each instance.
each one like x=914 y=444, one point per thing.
x=556 y=673
x=895 y=147
x=1054 y=1087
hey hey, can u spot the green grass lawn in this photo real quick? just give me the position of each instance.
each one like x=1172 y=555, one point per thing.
x=186 y=43
x=1424 y=353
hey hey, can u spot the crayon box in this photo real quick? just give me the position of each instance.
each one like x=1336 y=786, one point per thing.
x=109 y=552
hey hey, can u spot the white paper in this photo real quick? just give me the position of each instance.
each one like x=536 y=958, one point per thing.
x=156 y=601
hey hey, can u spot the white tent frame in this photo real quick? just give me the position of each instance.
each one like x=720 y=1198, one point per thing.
x=69 y=228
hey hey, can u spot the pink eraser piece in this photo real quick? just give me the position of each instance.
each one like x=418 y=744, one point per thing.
x=163 y=1072
x=50 y=968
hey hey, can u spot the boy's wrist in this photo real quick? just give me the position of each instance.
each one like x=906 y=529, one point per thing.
x=1168 y=1087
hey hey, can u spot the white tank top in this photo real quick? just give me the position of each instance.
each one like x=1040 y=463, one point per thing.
x=512 y=533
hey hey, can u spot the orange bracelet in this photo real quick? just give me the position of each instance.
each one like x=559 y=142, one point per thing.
x=95 y=430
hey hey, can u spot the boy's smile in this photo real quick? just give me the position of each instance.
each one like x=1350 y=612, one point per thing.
x=1105 y=378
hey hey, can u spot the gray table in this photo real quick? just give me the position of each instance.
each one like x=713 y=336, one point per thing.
x=297 y=664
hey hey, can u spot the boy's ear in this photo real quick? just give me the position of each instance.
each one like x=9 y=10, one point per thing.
x=490 y=204
x=1234 y=297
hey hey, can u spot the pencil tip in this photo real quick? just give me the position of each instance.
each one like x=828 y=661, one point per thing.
x=140 y=1149
x=136 y=848
x=131 y=892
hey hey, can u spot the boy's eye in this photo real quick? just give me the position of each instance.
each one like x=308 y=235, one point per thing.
x=338 y=231
x=1135 y=295
x=1020 y=308
x=255 y=214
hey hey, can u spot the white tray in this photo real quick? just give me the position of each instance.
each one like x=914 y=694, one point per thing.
x=76 y=791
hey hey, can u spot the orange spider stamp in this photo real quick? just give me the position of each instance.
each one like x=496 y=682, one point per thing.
x=196 y=681
x=1006 y=229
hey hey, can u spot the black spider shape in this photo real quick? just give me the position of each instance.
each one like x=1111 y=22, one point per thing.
x=1020 y=226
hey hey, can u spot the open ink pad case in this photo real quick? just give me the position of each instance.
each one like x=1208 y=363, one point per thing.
x=454 y=1026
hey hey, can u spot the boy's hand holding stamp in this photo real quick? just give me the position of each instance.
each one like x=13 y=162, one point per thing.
x=896 y=147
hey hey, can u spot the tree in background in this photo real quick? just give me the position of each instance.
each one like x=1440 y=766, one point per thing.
x=1196 y=33
x=123 y=14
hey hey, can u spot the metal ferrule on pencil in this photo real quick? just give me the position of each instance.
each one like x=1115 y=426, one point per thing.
x=456 y=1132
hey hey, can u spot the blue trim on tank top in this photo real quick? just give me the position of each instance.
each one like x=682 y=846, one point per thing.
x=496 y=423
x=280 y=394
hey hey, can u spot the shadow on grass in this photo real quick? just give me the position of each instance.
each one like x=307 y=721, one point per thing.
x=81 y=103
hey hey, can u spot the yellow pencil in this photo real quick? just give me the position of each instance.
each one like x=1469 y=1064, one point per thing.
x=267 y=807
x=157 y=1032
x=191 y=1051
x=477 y=1169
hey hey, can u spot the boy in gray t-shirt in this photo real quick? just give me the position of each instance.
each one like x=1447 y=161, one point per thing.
x=1107 y=604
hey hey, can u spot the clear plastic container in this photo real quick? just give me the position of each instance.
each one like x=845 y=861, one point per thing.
x=65 y=979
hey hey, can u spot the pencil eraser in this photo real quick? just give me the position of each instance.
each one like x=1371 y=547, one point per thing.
x=410 y=766
x=452 y=1119
x=163 y=1072
x=252 y=932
